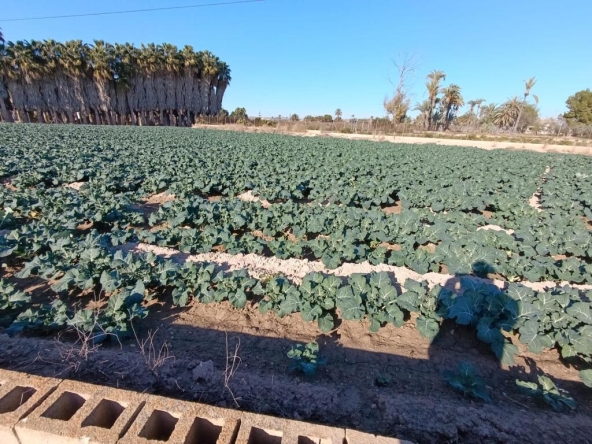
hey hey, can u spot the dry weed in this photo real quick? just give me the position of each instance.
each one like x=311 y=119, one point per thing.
x=232 y=363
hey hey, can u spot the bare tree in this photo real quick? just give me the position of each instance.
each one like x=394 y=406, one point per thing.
x=398 y=105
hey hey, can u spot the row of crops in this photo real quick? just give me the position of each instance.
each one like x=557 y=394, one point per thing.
x=327 y=203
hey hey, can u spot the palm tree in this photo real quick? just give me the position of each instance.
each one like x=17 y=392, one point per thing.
x=224 y=79
x=424 y=112
x=433 y=87
x=338 y=114
x=20 y=68
x=452 y=100
x=101 y=61
x=208 y=74
x=507 y=114
x=528 y=85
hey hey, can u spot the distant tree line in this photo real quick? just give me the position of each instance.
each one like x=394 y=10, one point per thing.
x=101 y=83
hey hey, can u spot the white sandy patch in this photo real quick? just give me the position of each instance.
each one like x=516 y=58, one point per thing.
x=496 y=228
x=248 y=196
x=295 y=269
x=75 y=185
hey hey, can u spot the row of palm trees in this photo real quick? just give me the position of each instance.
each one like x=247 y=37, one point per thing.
x=441 y=107
x=100 y=83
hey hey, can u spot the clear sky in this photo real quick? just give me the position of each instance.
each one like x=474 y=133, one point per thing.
x=313 y=56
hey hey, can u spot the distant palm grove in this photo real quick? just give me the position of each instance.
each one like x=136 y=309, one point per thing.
x=100 y=83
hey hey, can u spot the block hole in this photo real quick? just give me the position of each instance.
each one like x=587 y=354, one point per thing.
x=204 y=431
x=15 y=398
x=260 y=436
x=104 y=415
x=312 y=440
x=159 y=427
x=65 y=407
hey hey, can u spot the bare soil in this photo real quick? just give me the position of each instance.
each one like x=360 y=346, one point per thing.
x=388 y=382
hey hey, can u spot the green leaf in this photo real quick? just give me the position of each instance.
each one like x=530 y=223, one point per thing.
x=289 y=305
x=487 y=333
x=331 y=262
x=409 y=301
x=110 y=281
x=586 y=377
x=582 y=341
x=520 y=292
x=505 y=352
x=427 y=327
x=581 y=311
x=238 y=299
x=379 y=279
x=530 y=335
x=310 y=312
x=350 y=305
x=463 y=310
x=180 y=297
x=326 y=322
x=531 y=388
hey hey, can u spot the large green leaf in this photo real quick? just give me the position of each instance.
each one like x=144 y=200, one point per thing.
x=586 y=377
x=427 y=327
x=530 y=335
x=581 y=311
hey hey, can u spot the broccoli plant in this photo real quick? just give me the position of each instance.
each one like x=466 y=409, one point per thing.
x=466 y=381
x=10 y=297
x=305 y=358
x=546 y=390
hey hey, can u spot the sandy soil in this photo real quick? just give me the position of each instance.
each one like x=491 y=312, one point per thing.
x=295 y=269
x=248 y=196
x=496 y=228
x=159 y=199
x=75 y=185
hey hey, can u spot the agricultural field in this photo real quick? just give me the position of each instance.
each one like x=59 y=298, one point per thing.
x=401 y=261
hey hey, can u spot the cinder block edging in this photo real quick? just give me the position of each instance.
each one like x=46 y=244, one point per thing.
x=37 y=410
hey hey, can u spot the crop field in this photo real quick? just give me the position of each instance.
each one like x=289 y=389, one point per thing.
x=118 y=225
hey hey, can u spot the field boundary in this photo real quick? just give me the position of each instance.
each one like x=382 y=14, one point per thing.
x=486 y=145
x=35 y=409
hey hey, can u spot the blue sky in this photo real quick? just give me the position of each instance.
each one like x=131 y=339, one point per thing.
x=313 y=56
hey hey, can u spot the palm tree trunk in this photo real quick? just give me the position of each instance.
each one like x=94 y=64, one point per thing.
x=515 y=129
x=6 y=115
x=220 y=95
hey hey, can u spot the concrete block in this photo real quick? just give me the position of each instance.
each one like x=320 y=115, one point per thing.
x=173 y=421
x=20 y=394
x=355 y=437
x=81 y=413
x=261 y=429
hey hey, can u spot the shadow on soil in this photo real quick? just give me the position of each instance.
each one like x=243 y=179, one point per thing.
x=388 y=383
